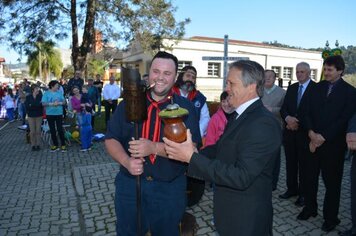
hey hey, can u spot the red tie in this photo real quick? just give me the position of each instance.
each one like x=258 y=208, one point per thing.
x=146 y=124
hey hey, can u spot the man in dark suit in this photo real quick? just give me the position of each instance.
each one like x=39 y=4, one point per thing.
x=241 y=163
x=295 y=137
x=330 y=109
x=351 y=144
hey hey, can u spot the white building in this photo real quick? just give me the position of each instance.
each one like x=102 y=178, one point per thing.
x=196 y=50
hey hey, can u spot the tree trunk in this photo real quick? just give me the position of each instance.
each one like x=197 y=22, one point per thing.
x=80 y=53
x=75 y=43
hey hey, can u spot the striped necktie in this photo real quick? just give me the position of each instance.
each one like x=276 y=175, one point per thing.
x=330 y=89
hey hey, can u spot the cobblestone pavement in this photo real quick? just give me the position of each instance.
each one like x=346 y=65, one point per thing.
x=72 y=193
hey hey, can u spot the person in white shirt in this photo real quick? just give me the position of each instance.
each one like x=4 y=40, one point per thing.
x=111 y=92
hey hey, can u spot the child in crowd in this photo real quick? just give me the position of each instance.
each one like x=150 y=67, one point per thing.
x=9 y=101
x=219 y=120
x=84 y=100
x=86 y=128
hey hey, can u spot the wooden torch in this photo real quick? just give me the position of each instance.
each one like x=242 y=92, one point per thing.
x=134 y=95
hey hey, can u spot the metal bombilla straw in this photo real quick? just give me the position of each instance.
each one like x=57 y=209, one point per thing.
x=134 y=95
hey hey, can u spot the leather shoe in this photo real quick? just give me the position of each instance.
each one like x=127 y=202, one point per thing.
x=300 y=202
x=347 y=233
x=287 y=195
x=327 y=226
x=304 y=215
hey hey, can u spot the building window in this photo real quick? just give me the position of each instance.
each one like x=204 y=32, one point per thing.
x=182 y=64
x=287 y=72
x=214 y=69
x=277 y=70
x=313 y=74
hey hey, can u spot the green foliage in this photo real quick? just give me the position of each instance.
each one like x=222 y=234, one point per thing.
x=96 y=67
x=45 y=60
x=68 y=72
x=351 y=79
x=277 y=44
x=23 y=23
x=349 y=55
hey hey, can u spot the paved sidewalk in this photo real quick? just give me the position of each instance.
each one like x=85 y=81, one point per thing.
x=72 y=193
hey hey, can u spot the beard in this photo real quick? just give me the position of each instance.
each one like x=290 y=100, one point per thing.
x=188 y=86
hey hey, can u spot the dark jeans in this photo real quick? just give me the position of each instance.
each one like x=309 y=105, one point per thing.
x=55 y=126
x=109 y=109
x=10 y=114
x=162 y=206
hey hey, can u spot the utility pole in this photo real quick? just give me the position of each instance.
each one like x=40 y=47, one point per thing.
x=226 y=42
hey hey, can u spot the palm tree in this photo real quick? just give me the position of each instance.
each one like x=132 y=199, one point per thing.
x=45 y=60
x=95 y=66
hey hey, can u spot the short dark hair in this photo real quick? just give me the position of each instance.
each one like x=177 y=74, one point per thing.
x=33 y=86
x=52 y=83
x=75 y=87
x=166 y=55
x=223 y=95
x=336 y=61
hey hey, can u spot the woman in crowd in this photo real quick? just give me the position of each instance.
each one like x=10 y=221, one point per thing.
x=34 y=111
x=75 y=103
x=53 y=101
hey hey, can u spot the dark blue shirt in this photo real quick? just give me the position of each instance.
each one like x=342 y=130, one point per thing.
x=163 y=168
x=198 y=103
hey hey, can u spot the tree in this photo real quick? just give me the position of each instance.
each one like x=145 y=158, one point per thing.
x=45 y=60
x=24 y=23
x=96 y=67
x=349 y=55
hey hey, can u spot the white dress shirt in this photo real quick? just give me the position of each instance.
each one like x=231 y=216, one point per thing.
x=244 y=106
x=111 y=91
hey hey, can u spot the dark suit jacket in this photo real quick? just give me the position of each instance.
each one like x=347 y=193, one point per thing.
x=352 y=124
x=329 y=115
x=289 y=108
x=241 y=166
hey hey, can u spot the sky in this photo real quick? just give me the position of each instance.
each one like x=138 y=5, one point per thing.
x=303 y=23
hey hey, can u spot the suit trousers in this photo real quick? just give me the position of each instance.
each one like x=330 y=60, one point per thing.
x=353 y=193
x=276 y=170
x=296 y=152
x=329 y=160
x=109 y=109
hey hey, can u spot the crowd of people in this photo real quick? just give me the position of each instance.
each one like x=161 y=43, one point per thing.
x=34 y=104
